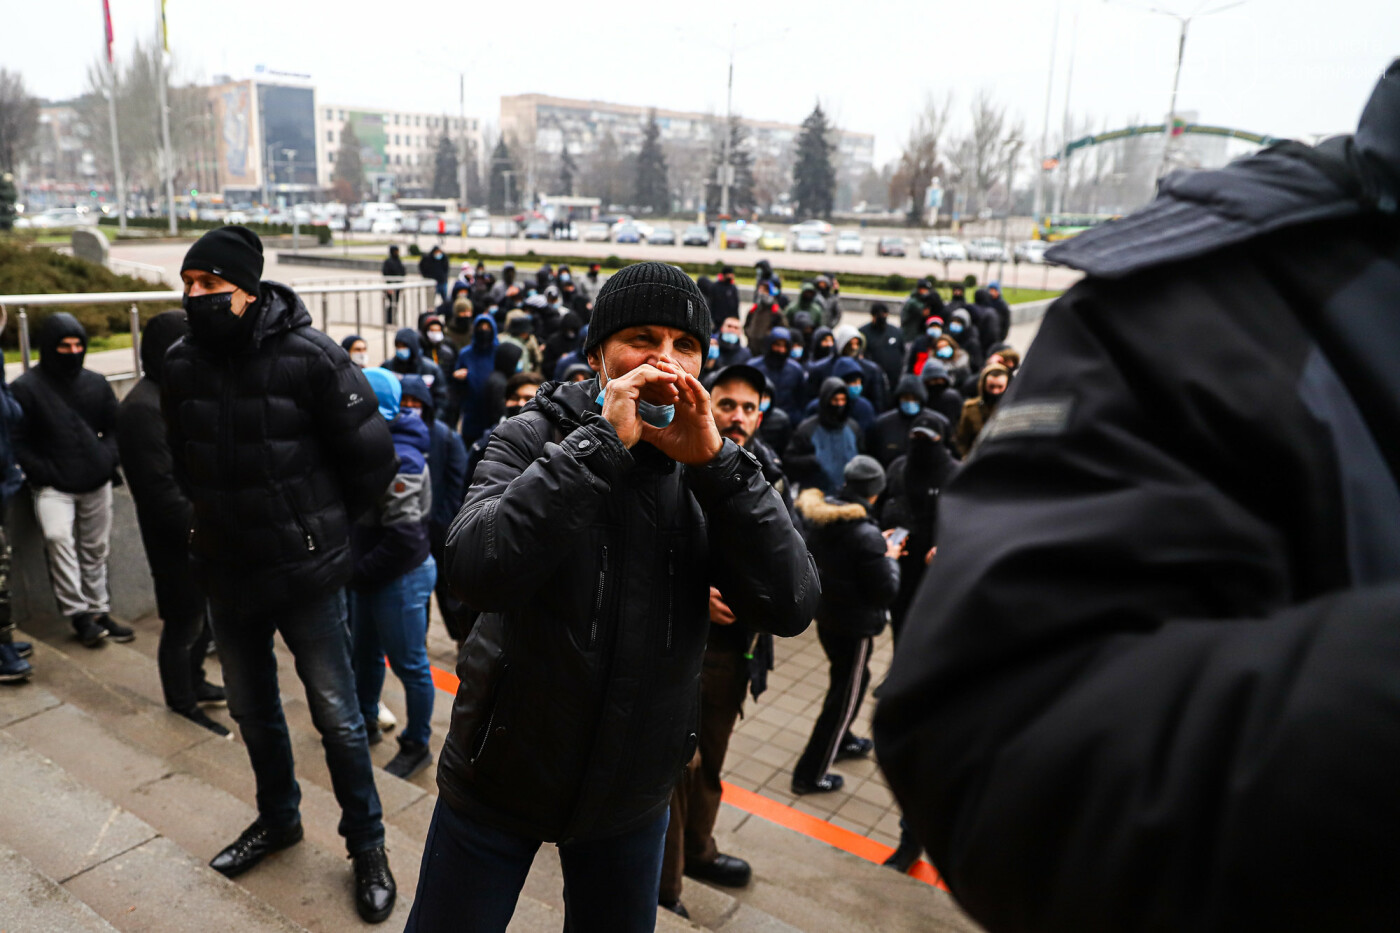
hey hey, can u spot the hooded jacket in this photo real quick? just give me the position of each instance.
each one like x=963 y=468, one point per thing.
x=818 y=358
x=861 y=408
x=824 y=443
x=724 y=301
x=67 y=439
x=858 y=581
x=441 y=354
x=1153 y=663
x=915 y=309
x=418 y=365
x=807 y=303
x=478 y=358
x=391 y=538
x=998 y=321
x=967 y=337
x=945 y=400
x=279 y=444
x=162 y=508
x=884 y=346
x=786 y=375
x=10 y=416
x=976 y=411
x=435 y=267
x=916 y=481
x=447 y=458
x=579 y=690
x=567 y=339
x=889 y=439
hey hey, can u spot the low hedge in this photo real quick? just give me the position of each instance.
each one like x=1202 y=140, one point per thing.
x=322 y=233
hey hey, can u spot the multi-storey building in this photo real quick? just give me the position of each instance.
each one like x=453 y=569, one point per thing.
x=397 y=147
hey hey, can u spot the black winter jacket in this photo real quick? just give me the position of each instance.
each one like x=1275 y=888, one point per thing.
x=67 y=439
x=592 y=565
x=281 y=446
x=858 y=581
x=1150 y=681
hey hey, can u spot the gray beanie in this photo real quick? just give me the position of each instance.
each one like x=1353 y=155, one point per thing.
x=864 y=476
x=649 y=293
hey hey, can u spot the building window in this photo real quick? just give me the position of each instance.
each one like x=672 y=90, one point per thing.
x=342 y=114
x=328 y=115
x=396 y=119
x=398 y=159
x=396 y=139
x=417 y=121
x=330 y=136
x=330 y=157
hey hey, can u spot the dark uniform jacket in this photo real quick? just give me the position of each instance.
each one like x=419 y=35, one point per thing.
x=591 y=565
x=858 y=580
x=1152 y=678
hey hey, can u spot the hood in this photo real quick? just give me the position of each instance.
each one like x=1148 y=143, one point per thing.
x=780 y=333
x=845 y=334
x=934 y=369
x=831 y=386
x=910 y=384
x=349 y=342
x=508 y=359
x=571 y=325
x=818 y=509
x=962 y=315
x=56 y=327
x=387 y=391
x=158 y=336
x=576 y=369
x=817 y=336
x=1284 y=185
x=409 y=338
x=993 y=370
x=982 y=297
x=415 y=435
x=478 y=322
x=845 y=367
x=415 y=387
x=281 y=310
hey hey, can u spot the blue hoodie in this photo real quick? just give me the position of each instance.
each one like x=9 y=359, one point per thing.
x=447 y=460
x=392 y=538
x=788 y=378
x=478 y=358
x=861 y=410
x=10 y=416
x=416 y=365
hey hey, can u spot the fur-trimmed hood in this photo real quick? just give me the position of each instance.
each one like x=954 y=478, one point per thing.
x=818 y=509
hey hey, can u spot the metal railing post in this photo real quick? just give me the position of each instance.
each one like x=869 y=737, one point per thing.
x=135 y=340
x=24 y=338
x=325 y=313
x=357 y=312
x=384 y=339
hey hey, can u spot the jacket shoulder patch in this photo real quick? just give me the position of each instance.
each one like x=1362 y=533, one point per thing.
x=1041 y=418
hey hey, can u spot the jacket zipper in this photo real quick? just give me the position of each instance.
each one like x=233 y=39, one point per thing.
x=670 y=593
x=301 y=524
x=598 y=599
x=491 y=717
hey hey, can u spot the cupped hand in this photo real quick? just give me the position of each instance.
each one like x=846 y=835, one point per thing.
x=620 y=398
x=692 y=437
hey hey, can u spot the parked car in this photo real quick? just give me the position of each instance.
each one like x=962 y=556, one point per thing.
x=385 y=225
x=942 y=248
x=662 y=236
x=809 y=242
x=505 y=228
x=597 y=233
x=696 y=235
x=537 y=230
x=772 y=240
x=61 y=217
x=987 y=249
x=891 y=246
x=1032 y=251
x=627 y=233
x=479 y=226
x=741 y=235
x=849 y=243
x=820 y=227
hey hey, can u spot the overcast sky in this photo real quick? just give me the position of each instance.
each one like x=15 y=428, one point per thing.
x=1282 y=67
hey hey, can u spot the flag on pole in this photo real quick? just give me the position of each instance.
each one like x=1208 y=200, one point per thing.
x=107 y=19
x=164 y=32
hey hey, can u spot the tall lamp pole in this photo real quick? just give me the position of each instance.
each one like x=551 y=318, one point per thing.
x=169 y=165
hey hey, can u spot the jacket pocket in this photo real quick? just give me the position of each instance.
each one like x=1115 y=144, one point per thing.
x=492 y=733
x=302 y=526
x=600 y=591
x=669 y=638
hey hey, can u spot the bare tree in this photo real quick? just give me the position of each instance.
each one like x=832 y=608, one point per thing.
x=920 y=162
x=984 y=146
x=19 y=120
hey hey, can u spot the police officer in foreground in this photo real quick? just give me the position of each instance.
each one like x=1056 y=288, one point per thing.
x=594 y=528
x=1152 y=678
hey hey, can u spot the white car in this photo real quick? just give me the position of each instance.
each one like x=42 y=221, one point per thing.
x=61 y=217
x=597 y=233
x=479 y=227
x=807 y=241
x=1032 y=251
x=385 y=225
x=820 y=227
x=849 y=243
x=987 y=249
x=942 y=248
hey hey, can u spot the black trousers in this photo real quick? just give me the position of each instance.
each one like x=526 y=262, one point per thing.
x=453 y=612
x=184 y=633
x=7 y=625
x=849 y=657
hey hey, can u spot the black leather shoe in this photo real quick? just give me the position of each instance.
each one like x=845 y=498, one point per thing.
x=256 y=843
x=822 y=785
x=375 y=890
x=903 y=858
x=677 y=908
x=854 y=747
x=115 y=630
x=89 y=632
x=207 y=694
x=727 y=871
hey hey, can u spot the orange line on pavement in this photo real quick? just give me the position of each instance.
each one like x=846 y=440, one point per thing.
x=764 y=808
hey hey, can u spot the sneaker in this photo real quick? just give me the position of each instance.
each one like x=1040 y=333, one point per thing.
x=23 y=648
x=386 y=719
x=207 y=694
x=375 y=890
x=115 y=630
x=825 y=784
x=197 y=717
x=412 y=758
x=853 y=747
x=13 y=668
x=89 y=632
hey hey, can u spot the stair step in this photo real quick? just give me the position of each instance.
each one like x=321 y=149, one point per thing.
x=31 y=900
x=107 y=857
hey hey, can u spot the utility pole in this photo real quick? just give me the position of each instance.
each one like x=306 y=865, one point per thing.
x=169 y=165
x=1038 y=201
x=1167 y=125
x=1062 y=194
x=726 y=171
x=116 y=147
x=462 y=143
x=1013 y=146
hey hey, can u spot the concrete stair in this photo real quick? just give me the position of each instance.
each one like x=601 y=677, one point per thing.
x=92 y=724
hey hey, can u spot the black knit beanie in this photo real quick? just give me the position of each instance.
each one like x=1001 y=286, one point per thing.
x=864 y=477
x=649 y=293
x=234 y=254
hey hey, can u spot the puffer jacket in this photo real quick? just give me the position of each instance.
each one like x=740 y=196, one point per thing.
x=418 y=365
x=858 y=581
x=392 y=538
x=278 y=441
x=591 y=564
x=67 y=438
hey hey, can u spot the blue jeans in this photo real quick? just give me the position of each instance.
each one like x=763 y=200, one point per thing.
x=319 y=639
x=393 y=620
x=472 y=875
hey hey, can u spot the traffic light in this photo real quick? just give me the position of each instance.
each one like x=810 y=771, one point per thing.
x=194 y=192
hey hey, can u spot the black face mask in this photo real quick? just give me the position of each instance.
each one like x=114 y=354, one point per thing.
x=65 y=365
x=991 y=398
x=513 y=410
x=213 y=325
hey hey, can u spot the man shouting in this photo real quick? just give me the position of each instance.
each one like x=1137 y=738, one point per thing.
x=594 y=528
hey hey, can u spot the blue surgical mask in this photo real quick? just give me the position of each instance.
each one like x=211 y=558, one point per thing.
x=714 y=351
x=796 y=353
x=910 y=407
x=955 y=328
x=658 y=416
x=765 y=404
x=402 y=353
x=945 y=353
x=934 y=332
x=410 y=413
x=729 y=338
x=854 y=391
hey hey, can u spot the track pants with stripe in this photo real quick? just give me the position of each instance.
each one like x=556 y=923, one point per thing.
x=849 y=657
